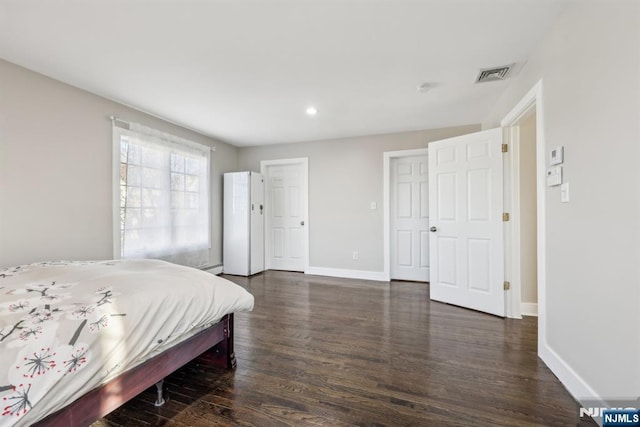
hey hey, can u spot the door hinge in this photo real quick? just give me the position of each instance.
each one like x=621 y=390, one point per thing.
x=507 y=285
x=505 y=216
x=505 y=148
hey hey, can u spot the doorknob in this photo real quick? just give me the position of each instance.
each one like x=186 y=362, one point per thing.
x=302 y=223
x=433 y=229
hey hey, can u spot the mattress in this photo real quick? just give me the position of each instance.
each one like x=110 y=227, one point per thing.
x=69 y=327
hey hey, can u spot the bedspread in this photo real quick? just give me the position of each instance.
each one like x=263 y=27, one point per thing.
x=69 y=327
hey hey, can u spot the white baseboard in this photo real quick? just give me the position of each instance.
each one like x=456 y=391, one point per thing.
x=214 y=270
x=529 y=308
x=348 y=274
x=575 y=385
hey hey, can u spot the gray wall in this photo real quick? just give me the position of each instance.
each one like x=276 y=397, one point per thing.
x=345 y=176
x=55 y=169
x=591 y=89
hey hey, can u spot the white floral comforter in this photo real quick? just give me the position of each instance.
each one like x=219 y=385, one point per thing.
x=68 y=327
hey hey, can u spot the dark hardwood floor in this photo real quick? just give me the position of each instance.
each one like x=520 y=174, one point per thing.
x=333 y=352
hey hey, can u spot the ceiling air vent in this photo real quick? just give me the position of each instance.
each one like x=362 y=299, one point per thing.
x=493 y=74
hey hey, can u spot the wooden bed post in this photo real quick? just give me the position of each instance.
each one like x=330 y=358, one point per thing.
x=231 y=353
x=222 y=354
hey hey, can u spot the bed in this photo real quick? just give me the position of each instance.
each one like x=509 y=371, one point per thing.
x=78 y=339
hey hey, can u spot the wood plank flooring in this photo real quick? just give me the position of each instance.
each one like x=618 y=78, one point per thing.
x=320 y=351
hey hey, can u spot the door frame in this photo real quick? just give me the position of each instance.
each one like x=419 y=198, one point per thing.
x=264 y=167
x=532 y=101
x=386 y=200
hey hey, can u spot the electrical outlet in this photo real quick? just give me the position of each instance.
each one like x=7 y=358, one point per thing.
x=356 y=255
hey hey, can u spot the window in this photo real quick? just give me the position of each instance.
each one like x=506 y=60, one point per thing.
x=163 y=197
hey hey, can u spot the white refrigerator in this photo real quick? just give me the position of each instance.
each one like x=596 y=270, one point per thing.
x=243 y=223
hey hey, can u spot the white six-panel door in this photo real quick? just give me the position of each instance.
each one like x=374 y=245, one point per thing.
x=465 y=210
x=285 y=206
x=409 y=218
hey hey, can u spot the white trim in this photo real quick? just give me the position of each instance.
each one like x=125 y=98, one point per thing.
x=214 y=270
x=534 y=99
x=386 y=194
x=512 y=268
x=522 y=108
x=576 y=385
x=304 y=162
x=379 y=276
x=529 y=308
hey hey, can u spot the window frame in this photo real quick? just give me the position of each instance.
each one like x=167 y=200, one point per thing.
x=117 y=134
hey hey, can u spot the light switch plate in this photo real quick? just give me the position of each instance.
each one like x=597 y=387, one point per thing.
x=564 y=193
x=554 y=176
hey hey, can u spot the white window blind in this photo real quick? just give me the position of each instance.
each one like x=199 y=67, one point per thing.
x=163 y=192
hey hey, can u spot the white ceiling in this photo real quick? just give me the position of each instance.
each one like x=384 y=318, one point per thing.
x=244 y=71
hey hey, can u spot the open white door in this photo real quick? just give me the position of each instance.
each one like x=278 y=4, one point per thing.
x=465 y=214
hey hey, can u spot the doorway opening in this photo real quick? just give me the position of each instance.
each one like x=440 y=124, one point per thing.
x=524 y=196
x=526 y=217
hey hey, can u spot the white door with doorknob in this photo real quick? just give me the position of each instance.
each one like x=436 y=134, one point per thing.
x=465 y=218
x=286 y=216
x=409 y=212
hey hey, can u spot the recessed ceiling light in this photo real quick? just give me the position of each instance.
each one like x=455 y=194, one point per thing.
x=424 y=87
x=312 y=111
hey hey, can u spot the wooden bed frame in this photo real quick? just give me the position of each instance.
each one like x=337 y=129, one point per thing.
x=214 y=345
